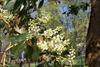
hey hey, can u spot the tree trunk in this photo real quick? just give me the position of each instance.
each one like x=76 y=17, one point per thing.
x=93 y=36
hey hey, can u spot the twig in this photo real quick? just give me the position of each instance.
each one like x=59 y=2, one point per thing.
x=2 y=18
x=9 y=47
x=4 y=54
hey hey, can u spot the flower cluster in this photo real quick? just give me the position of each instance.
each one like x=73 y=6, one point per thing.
x=71 y=56
x=33 y=28
x=54 y=41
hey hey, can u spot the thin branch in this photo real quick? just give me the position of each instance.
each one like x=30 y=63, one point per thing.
x=5 y=53
x=2 y=18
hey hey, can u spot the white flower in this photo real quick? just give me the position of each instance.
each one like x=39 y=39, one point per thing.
x=43 y=45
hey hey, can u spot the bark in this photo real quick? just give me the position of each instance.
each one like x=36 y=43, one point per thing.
x=93 y=36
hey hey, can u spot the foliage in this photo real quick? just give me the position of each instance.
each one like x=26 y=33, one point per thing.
x=44 y=32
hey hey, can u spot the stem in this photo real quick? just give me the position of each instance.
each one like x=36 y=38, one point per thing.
x=2 y=18
x=4 y=59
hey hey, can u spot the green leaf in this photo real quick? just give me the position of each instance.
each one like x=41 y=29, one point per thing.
x=17 y=50
x=34 y=40
x=29 y=51
x=32 y=52
x=36 y=52
x=18 y=38
x=17 y=5
x=40 y=4
x=9 y=4
x=12 y=65
x=6 y=2
x=1 y=24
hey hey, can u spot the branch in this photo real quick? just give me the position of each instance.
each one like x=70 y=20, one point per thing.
x=2 y=18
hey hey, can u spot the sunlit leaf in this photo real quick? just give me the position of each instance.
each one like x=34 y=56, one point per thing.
x=19 y=30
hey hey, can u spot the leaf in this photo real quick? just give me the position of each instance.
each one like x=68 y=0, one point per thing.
x=34 y=40
x=12 y=65
x=18 y=38
x=19 y=30
x=40 y=4
x=32 y=52
x=29 y=51
x=36 y=52
x=1 y=24
x=17 y=50
x=17 y=5
x=6 y=2
x=9 y=4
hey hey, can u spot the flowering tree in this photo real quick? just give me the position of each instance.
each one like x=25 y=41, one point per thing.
x=32 y=27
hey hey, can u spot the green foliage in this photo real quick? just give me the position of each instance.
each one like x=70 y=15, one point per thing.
x=32 y=53
x=84 y=6
x=9 y=4
x=46 y=33
x=18 y=38
x=15 y=51
x=40 y=4
x=1 y=24
x=74 y=9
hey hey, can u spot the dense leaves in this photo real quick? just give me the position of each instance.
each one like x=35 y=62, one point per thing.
x=74 y=9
